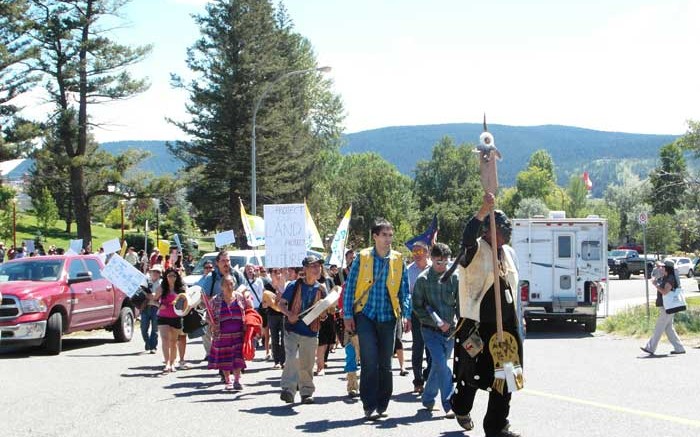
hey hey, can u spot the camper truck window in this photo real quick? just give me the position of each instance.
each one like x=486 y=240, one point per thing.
x=564 y=246
x=590 y=250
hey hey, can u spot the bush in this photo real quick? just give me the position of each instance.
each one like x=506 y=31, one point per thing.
x=136 y=241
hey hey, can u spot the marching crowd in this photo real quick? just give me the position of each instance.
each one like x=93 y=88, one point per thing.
x=453 y=307
x=373 y=300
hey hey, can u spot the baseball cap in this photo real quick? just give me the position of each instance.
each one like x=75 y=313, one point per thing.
x=156 y=268
x=311 y=259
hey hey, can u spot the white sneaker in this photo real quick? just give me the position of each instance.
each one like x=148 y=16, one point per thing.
x=183 y=365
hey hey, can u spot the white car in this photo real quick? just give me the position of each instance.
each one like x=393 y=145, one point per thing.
x=683 y=265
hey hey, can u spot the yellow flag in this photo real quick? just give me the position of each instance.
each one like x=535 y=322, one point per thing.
x=164 y=247
x=124 y=247
x=313 y=238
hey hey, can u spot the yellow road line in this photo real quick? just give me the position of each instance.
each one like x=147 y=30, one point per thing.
x=679 y=420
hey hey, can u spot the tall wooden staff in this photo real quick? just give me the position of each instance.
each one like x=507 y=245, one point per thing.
x=502 y=345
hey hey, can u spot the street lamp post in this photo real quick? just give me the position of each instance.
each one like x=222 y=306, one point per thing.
x=156 y=203
x=122 y=203
x=14 y=222
x=253 y=181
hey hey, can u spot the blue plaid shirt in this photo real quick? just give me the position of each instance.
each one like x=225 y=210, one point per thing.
x=378 y=306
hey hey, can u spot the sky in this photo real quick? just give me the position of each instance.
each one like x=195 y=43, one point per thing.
x=612 y=65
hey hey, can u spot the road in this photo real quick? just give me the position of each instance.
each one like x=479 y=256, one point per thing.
x=631 y=292
x=576 y=385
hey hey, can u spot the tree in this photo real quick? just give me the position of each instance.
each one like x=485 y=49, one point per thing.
x=668 y=180
x=448 y=185
x=688 y=228
x=45 y=210
x=543 y=160
x=374 y=188
x=577 y=197
x=625 y=197
x=80 y=63
x=245 y=47
x=534 y=182
x=611 y=214
x=662 y=235
x=691 y=140
x=530 y=207
x=6 y=195
x=17 y=51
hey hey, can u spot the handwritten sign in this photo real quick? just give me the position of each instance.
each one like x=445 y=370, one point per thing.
x=122 y=274
x=111 y=246
x=223 y=238
x=285 y=235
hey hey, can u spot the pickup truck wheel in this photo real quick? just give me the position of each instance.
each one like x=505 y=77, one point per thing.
x=53 y=341
x=624 y=273
x=590 y=325
x=123 y=328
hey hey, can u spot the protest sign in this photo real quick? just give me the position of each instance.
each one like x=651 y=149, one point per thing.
x=223 y=238
x=123 y=275
x=176 y=238
x=75 y=246
x=285 y=235
x=111 y=246
x=29 y=247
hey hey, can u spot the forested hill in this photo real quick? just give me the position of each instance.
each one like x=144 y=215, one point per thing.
x=159 y=162
x=573 y=149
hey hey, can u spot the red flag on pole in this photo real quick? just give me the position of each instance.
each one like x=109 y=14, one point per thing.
x=587 y=181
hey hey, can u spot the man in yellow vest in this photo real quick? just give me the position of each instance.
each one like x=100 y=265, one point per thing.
x=376 y=297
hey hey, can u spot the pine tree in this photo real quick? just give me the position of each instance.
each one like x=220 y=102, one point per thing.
x=81 y=63
x=17 y=50
x=668 y=180
x=245 y=46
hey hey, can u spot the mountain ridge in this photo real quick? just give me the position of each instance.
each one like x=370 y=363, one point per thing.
x=573 y=149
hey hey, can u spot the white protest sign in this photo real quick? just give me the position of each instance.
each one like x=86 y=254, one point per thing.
x=122 y=274
x=223 y=238
x=111 y=246
x=29 y=247
x=285 y=235
x=75 y=246
x=321 y=306
x=177 y=242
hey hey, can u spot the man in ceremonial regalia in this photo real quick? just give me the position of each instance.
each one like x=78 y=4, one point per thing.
x=474 y=369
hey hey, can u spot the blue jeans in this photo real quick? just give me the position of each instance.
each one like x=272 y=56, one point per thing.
x=440 y=377
x=149 y=320
x=376 y=349
x=417 y=349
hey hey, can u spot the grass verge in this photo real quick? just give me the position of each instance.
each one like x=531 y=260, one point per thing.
x=634 y=322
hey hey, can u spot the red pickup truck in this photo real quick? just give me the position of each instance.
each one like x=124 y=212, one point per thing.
x=45 y=297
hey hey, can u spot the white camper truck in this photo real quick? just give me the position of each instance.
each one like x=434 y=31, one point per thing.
x=563 y=267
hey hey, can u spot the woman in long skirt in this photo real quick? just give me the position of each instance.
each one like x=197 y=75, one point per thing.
x=227 y=310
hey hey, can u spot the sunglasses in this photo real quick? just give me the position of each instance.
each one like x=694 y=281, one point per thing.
x=441 y=263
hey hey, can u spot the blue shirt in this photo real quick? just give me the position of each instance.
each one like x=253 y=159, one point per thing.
x=308 y=295
x=378 y=307
x=215 y=276
x=413 y=272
